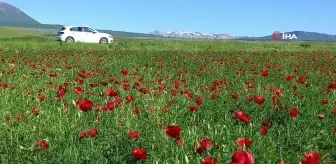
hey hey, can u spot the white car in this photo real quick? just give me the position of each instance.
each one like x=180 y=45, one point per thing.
x=83 y=34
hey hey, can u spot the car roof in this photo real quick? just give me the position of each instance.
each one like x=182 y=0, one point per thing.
x=75 y=26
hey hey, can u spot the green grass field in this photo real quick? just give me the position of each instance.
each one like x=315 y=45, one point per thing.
x=6 y=32
x=9 y=32
x=282 y=96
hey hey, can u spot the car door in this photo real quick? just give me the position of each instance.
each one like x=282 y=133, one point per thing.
x=76 y=33
x=89 y=36
x=94 y=35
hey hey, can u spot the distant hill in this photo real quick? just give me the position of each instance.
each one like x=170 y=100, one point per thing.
x=193 y=35
x=11 y=16
x=301 y=36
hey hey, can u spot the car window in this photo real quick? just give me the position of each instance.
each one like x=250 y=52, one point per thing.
x=86 y=29
x=62 y=29
x=74 y=29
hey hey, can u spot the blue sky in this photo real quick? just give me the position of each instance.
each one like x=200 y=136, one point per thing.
x=236 y=17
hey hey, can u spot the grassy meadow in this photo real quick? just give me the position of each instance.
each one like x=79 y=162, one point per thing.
x=6 y=32
x=166 y=102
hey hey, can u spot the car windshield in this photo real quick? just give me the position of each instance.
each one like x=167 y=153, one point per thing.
x=93 y=30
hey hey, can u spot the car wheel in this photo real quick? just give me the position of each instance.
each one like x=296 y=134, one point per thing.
x=70 y=39
x=103 y=41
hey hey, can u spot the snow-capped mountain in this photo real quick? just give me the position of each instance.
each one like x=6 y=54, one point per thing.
x=196 y=35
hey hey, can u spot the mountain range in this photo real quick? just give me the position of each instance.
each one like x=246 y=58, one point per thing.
x=301 y=36
x=12 y=16
x=193 y=35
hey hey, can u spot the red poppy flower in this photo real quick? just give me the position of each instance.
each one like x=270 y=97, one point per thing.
x=93 y=85
x=325 y=101
x=93 y=132
x=84 y=105
x=79 y=90
x=173 y=93
x=133 y=134
x=173 y=131
x=61 y=91
x=332 y=86
x=84 y=74
x=213 y=96
x=242 y=116
x=244 y=141
x=294 y=112
x=235 y=96
x=42 y=98
x=275 y=100
x=259 y=100
x=42 y=144
x=176 y=84
x=118 y=101
x=193 y=108
x=242 y=157
x=110 y=106
x=35 y=111
x=278 y=92
x=83 y=135
x=139 y=154
x=289 y=78
x=152 y=108
x=301 y=80
x=137 y=111
x=165 y=110
x=124 y=71
x=210 y=160
x=21 y=117
x=266 y=124
x=199 y=100
x=311 y=158
x=264 y=131
x=129 y=99
x=111 y=79
x=111 y=92
x=144 y=90
x=8 y=118
x=205 y=144
x=264 y=73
